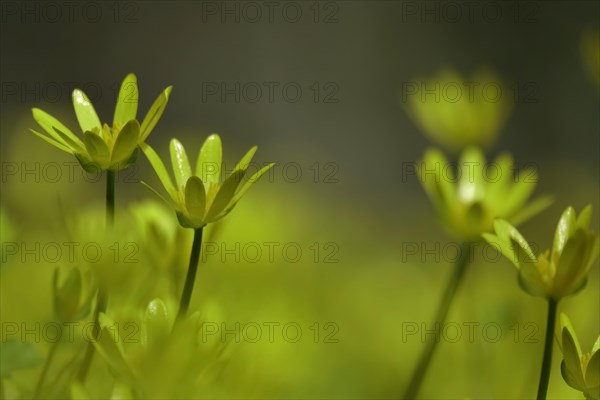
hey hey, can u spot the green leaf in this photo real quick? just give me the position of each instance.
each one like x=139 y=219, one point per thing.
x=53 y=142
x=195 y=198
x=160 y=169
x=48 y=123
x=96 y=147
x=156 y=111
x=253 y=179
x=224 y=195
x=208 y=166
x=17 y=355
x=86 y=114
x=127 y=102
x=180 y=162
x=126 y=142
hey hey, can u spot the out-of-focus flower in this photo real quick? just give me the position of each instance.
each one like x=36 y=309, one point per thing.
x=469 y=197
x=72 y=296
x=104 y=147
x=554 y=273
x=202 y=198
x=590 y=53
x=456 y=112
x=580 y=371
x=165 y=363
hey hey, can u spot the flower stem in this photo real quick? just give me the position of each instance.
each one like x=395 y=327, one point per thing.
x=40 y=383
x=110 y=198
x=102 y=296
x=547 y=360
x=431 y=345
x=191 y=274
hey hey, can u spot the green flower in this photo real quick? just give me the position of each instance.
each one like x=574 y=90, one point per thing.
x=580 y=371
x=103 y=147
x=456 y=112
x=559 y=272
x=202 y=198
x=71 y=302
x=468 y=198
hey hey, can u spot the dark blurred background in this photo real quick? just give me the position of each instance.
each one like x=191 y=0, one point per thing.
x=350 y=60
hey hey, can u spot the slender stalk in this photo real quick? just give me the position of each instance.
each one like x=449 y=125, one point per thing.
x=421 y=370
x=102 y=296
x=191 y=274
x=40 y=383
x=547 y=360
x=110 y=198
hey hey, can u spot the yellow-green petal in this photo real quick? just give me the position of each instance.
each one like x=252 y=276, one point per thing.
x=86 y=114
x=96 y=147
x=153 y=116
x=160 y=169
x=208 y=165
x=531 y=209
x=592 y=372
x=571 y=369
x=518 y=194
x=195 y=198
x=471 y=186
x=584 y=218
x=225 y=195
x=48 y=123
x=53 y=142
x=126 y=142
x=180 y=163
x=127 y=102
x=253 y=179
x=563 y=231
x=245 y=161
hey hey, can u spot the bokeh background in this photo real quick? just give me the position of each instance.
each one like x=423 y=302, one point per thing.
x=338 y=186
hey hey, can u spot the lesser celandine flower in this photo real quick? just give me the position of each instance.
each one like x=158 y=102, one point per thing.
x=580 y=371
x=201 y=197
x=104 y=147
x=169 y=361
x=558 y=272
x=72 y=295
x=469 y=197
x=555 y=273
x=455 y=111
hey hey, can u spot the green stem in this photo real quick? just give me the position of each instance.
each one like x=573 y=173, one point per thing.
x=191 y=274
x=431 y=345
x=40 y=383
x=547 y=360
x=102 y=296
x=110 y=198
x=101 y=300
